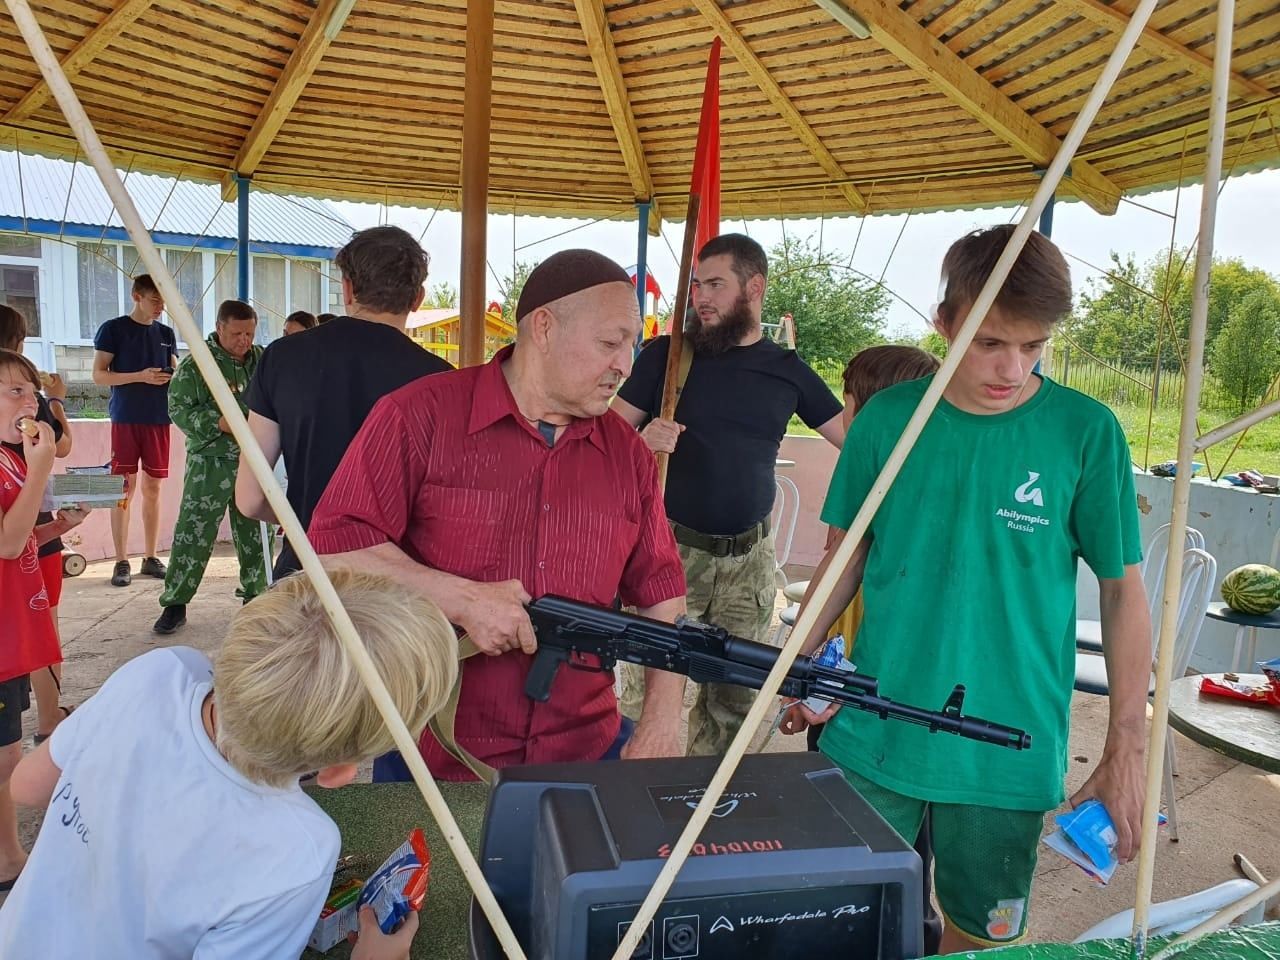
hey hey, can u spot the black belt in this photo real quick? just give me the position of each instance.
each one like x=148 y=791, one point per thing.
x=734 y=546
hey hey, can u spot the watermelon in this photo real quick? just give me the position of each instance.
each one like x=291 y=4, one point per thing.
x=1253 y=589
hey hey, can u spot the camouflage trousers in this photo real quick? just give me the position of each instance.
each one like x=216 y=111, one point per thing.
x=736 y=593
x=208 y=492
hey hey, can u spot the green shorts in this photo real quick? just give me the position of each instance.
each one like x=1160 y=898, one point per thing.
x=983 y=859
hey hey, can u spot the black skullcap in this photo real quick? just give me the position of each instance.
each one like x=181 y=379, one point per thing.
x=566 y=272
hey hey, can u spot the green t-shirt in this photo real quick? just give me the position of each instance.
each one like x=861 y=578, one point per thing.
x=971 y=578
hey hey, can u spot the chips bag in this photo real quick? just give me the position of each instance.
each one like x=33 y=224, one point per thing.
x=400 y=884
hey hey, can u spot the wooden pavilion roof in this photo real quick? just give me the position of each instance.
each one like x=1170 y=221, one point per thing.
x=947 y=103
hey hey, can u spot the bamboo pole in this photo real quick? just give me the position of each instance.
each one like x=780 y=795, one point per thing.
x=675 y=348
x=1219 y=919
x=1182 y=478
x=1239 y=424
x=476 y=113
x=806 y=622
x=181 y=313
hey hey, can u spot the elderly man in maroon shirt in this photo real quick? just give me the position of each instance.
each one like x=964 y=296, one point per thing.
x=489 y=485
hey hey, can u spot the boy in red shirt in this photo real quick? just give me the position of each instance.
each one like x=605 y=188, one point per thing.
x=28 y=640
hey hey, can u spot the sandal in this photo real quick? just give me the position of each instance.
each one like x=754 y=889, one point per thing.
x=40 y=738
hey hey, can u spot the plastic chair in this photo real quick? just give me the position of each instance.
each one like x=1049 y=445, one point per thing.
x=1180 y=915
x=786 y=511
x=1089 y=632
x=1199 y=570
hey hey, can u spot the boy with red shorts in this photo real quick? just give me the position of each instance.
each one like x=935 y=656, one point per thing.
x=135 y=356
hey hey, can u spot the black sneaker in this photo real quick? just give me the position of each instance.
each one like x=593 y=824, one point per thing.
x=121 y=576
x=171 y=619
x=152 y=567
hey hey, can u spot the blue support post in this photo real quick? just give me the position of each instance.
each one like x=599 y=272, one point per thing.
x=642 y=252
x=1046 y=218
x=242 y=238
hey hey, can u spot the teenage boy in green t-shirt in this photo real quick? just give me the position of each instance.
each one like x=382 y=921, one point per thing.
x=969 y=576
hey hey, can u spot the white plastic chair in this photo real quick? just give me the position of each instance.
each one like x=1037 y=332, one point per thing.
x=1180 y=915
x=786 y=511
x=1089 y=632
x=1199 y=571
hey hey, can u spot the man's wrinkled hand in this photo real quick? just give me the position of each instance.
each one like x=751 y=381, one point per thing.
x=1119 y=781
x=495 y=618
x=373 y=944
x=661 y=435
x=649 y=740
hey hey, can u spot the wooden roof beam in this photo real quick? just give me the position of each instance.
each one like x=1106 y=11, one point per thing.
x=1114 y=18
x=81 y=55
x=902 y=35
x=320 y=31
x=759 y=73
x=604 y=57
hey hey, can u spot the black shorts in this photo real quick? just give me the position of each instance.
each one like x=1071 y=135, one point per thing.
x=15 y=697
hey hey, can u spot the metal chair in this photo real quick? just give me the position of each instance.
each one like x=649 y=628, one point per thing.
x=1089 y=632
x=1199 y=571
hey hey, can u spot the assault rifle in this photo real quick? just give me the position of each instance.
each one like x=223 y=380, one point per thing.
x=568 y=631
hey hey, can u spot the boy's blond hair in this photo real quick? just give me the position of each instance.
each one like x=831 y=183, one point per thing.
x=288 y=698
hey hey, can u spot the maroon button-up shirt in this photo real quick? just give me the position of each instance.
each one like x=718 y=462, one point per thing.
x=448 y=470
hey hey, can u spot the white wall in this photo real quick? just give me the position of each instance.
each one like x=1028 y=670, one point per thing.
x=1239 y=526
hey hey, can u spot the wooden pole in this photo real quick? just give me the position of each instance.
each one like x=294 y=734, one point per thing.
x=670 y=388
x=181 y=313
x=1220 y=919
x=476 y=114
x=1244 y=422
x=806 y=621
x=1182 y=478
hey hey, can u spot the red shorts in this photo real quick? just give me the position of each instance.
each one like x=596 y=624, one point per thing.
x=145 y=443
x=51 y=570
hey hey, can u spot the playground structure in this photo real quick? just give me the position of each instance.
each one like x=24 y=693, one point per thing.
x=997 y=149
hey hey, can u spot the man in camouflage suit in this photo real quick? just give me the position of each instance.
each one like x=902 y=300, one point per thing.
x=208 y=489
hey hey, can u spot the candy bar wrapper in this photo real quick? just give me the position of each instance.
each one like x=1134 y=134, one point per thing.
x=338 y=918
x=400 y=884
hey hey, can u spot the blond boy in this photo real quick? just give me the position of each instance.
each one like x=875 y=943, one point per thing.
x=175 y=824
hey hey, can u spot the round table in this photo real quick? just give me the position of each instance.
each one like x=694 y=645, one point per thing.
x=1244 y=621
x=1246 y=732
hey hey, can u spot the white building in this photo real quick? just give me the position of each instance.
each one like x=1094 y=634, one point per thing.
x=66 y=262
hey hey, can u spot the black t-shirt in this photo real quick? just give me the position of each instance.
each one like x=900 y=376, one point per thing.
x=735 y=407
x=43 y=413
x=318 y=386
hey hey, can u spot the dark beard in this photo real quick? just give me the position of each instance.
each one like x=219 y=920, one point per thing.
x=714 y=339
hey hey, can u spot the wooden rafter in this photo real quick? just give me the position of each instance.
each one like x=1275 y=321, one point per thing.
x=81 y=55
x=1115 y=18
x=323 y=26
x=604 y=56
x=903 y=36
x=759 y=73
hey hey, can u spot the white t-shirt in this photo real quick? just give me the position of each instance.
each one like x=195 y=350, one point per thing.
x=154 y=847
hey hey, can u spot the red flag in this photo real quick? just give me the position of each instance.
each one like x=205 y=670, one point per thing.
x=706 y=158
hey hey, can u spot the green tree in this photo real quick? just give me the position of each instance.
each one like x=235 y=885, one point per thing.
x=1246 y=353
x=836 y=312
x=935 y=343
x=440 y=296
x=510 y=286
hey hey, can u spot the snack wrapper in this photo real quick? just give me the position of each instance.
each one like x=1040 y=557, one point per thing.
x=1087 y=837
x=830 y=654
x=400 y=884
x=1233 y=690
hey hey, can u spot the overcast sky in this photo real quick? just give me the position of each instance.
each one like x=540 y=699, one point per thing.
x=1248 y=227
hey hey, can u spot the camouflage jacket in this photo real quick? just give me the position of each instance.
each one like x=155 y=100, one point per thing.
x=191 y=403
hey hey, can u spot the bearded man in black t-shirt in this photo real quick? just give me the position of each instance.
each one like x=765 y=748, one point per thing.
x=740 y=394
x=312 y=391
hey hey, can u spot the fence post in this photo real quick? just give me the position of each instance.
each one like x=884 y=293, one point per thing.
x=1066 y=363
x=1155 y=386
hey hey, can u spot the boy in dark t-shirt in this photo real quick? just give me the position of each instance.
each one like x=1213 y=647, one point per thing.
x=135 y=355
x=313 y=390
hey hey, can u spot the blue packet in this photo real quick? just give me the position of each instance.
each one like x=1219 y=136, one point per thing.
x=400 y=885
x=830 y=654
